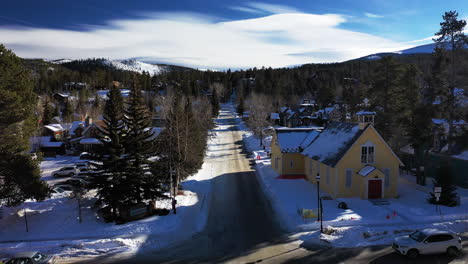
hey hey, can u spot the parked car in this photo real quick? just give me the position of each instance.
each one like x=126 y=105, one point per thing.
x=58 y=191
x=65 y=171
x=77 y=183
x=85 y=156
x=82 y=165
x=66 y=187
x=428 y=241
x=31 y=257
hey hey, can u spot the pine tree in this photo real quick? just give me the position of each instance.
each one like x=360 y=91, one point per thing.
x=48 y=113
x=414 y=115
x=451 y=39
x=19 y=175
x=448 y=196
x=141 y=184
x=240 y=106
x=67 y=111
x=110 y=183
x=215 y=102
x=386 y=80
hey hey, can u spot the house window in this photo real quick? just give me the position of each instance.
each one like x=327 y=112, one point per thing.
x=367 y=154
x=387 y=173
x=291 y=163
x=349 y=178
x=328 y=175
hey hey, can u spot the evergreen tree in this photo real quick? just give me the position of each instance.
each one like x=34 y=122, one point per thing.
x=386 y=80
x=451 y=41
x=67 y=112
x=110 y=183
x=139 y=145
x=414 y=116
x=48 y=113
x=215 y=102
x=19 y=175
x=448 y=196
x=240 y=106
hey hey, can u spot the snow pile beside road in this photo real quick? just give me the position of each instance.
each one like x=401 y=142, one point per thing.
x=363 y=236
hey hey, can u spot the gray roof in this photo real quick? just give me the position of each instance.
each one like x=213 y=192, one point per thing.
x=295 y=139
x=333 y=142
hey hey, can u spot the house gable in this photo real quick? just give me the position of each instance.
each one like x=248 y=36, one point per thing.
x=384 y=155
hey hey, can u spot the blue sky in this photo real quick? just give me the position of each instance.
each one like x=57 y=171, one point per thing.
x=219 y=33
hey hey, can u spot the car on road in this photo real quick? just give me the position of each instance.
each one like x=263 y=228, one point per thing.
x=31 y=257
x=57 y=191
x=85 y=156
x=428 y=241
x=65 y=171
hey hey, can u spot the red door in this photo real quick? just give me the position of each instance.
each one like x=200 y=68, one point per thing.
x=375 y=189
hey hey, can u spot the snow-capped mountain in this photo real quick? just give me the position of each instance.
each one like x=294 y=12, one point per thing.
x=60 y=61
x=136 y=66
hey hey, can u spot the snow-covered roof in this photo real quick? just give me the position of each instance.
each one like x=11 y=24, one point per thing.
x=55 y=127
x=309 y=138
x=284 y=108
x=333 y=142
x=366 y=170
x=45 y=142
x=462 y=155
x=156 y=131
x=91 y=141
x=74 y=126
x=366 y=113
x=274 y=116
x=291 y=139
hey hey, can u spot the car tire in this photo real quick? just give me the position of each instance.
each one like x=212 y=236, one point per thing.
x=412 y=253
x=452 y=251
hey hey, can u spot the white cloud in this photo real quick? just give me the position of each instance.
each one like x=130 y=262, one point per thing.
x=372 y=15
x=199 y=41
x=246 y=9
x=273 y=9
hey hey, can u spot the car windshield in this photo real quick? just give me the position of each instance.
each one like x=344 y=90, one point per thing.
x=39 y=257
x=59 y=190
x=418 y=236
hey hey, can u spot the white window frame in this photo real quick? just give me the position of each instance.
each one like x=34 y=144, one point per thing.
x=367 y=158
x=349 y=175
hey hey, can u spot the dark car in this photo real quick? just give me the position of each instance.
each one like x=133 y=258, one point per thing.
x=31 y=257
x=77 y=183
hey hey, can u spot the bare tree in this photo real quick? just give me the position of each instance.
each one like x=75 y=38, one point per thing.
x=260 y=106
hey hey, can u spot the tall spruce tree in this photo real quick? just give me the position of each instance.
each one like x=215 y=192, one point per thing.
x=48 y=113
x=451 y=41
x=386 y=79
x=215 y=102
x=141 y=184
x=414 y=115
x=110 y=183
x=19 y=175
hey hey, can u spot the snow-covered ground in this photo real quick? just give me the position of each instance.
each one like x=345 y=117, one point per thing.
x=54 y=227
x=136 y=66
x=363 y=223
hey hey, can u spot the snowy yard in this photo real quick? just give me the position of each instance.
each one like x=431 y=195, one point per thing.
x=363 y=223
x=54 y=227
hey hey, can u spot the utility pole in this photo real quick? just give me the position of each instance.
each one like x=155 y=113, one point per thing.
x=25 y=220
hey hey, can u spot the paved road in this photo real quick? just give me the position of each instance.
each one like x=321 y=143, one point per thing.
x=240 y=217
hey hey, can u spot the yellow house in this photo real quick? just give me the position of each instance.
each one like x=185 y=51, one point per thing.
x=286 y=147
x=352 y=160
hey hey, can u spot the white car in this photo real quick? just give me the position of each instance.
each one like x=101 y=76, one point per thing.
x=65 y=171
x=428 y=241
